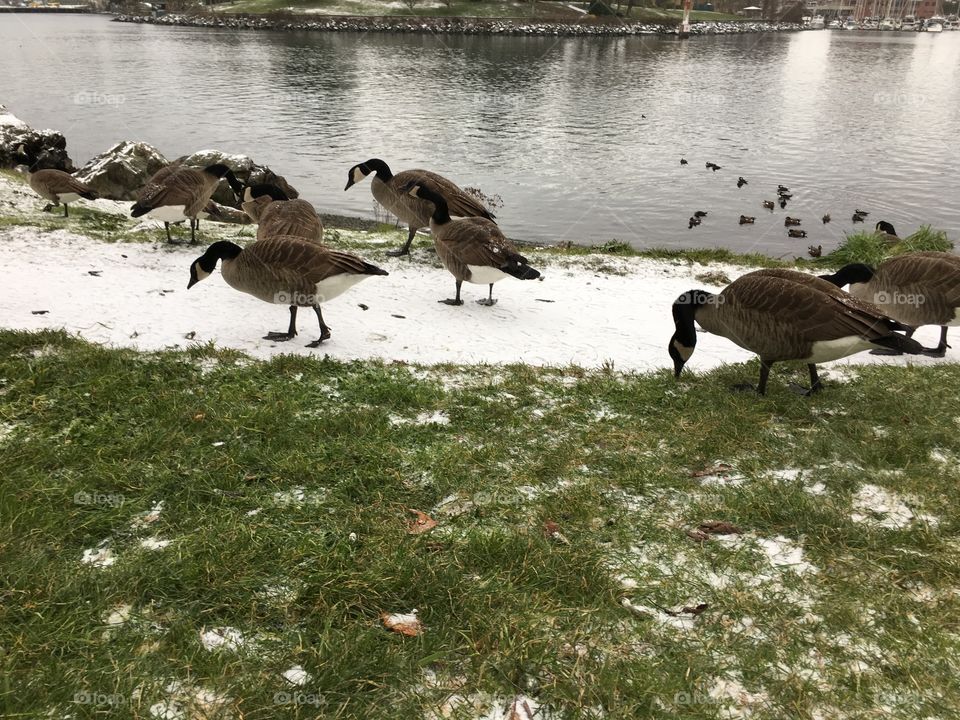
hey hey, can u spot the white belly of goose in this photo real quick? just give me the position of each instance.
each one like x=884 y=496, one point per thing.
x=827 y=350
x=168 y=213
x=484 y=274
x=68 y=197
x=334 y=285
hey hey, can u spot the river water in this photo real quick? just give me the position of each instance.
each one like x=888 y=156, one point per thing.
x=581 y=137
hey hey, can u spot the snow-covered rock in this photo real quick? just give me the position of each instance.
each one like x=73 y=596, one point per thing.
x=49 y=147
x=120 y=172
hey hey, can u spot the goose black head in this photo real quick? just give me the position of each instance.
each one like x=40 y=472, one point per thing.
x=684 y=338
x=885 y=227
x=204 y=265
x=251 y=192
x=851 y=274
x=360 y=171
x=217 y=170
x=441 y=212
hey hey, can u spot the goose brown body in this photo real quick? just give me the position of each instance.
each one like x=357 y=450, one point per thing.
x=785 y=315
x=285 y=270
x=292 y=218
x=390 y=191
x=921 y=288
x=58 y=187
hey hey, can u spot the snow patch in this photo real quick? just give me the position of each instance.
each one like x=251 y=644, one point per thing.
x=878 y=506
x=226 y=638
x=297 y=676
x=98 y=557
x=154 y=543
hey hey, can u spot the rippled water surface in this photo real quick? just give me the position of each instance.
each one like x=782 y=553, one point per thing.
x=581 y=137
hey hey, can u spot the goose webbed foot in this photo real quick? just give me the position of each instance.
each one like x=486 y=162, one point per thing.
x=279 y=336
x=937 y=352
x=451 y=301
x=325 y=335
x=886 y=351
x=405 y=250
x=745 y=388
x=324 y=328
x=486 y=302
x=802 y=391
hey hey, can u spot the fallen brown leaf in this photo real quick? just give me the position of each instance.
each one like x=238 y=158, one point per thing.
x=422 y=524
x=697 y=535
x=719 y=527
x=402 y=623
x=694 y=609
x=719 y=469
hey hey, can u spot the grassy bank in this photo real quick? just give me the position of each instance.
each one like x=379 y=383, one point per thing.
x=214 y=495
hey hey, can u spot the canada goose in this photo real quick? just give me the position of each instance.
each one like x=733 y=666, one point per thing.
x=285 y=270
x=416 y=212
x=783 y=203
x=683 y=162
x=741 y=182
x=472 y=249
x=276 y=214
x=744 y=220
x=815 y=251
x=785 y=195
x=861 y=212
x=826 y=218
x=921 y=288
x=796 y=233
x=692 y=223
x=56 y=186
x=181 y=194
x=788 y=221
x=857 y=218
x=713 y=166
x=783 y=315
x=782 y=189
x=700 y=214
x=884 y=227
x=768 y=204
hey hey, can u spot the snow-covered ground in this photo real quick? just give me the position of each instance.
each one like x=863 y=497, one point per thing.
x=137 y=297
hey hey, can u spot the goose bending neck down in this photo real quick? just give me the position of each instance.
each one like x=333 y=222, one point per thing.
x=285 y=270
x=784 y=315
x=472 y=249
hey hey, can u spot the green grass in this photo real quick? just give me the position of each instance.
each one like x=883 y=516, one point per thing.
x=93 y=438
x=873 y=248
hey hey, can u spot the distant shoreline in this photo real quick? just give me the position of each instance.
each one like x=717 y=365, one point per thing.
x=450 y=25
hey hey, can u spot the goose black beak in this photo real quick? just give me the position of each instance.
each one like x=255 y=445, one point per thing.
x=191 y=283
x=349 y=184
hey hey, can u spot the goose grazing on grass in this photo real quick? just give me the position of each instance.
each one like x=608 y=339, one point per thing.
x=276 y=214
x=784 y=315
x=387 y=188
x=921 y=288
x=285 y=270
x=56 y=186
x=181 y=193
x=472 y=249
x=886 y=228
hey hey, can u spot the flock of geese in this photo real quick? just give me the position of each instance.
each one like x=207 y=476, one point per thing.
x=778 y=314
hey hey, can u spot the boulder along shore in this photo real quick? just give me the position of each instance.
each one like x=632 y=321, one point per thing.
x=460 y=26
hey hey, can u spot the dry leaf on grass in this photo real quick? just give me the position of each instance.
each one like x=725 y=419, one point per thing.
x=719 y=469
x=403 y=623
x=719 y=527
x=551 y=531
x=422 y=524
x=697 y=535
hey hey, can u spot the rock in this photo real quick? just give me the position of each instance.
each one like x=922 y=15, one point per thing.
x=120 y=172
x=47 y=147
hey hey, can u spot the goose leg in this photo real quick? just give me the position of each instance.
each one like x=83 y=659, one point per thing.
x=405 y=250
x=761 y=388
x=291 y=331
x=193 y=231
x=489 y=302
x=456 y=300
x=815 y=384
x=324 y=330
x=941 y=349
x=66 y=211
x=166 y=226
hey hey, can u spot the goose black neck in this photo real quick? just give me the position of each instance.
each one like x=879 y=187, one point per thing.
x=379 y=167
x=441 y=212
x=685 y=312
x=850 y=274
x=262 y=189
x=223 y=250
